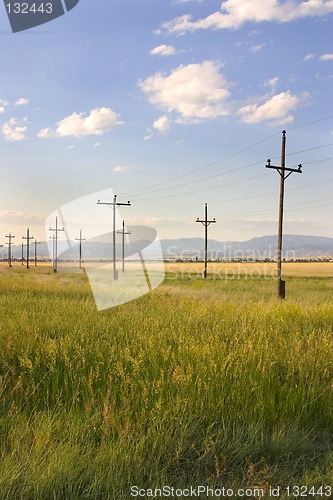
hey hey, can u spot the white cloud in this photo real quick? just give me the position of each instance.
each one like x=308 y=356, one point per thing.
x=256 y=48
x=120 y=169
x=163 y=50
x=272 y=82
x=326 y=57
x=22 y=101
x=162 y=124
x=308 y=57
x=276 y=109
x=70 y=147
x=97 y=145
x=196 y=91
x=14 y=130
x=3 y=105
x=235 y=13
x=99 y=121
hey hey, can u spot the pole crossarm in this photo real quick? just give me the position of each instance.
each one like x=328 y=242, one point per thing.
x=206 y=222
x=280 y=169
x=114 y=204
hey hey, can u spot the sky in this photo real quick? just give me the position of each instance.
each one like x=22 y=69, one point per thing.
x=172 y=104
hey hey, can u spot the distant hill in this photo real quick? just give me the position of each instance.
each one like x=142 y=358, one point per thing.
x=294 y=246
x=260 y=247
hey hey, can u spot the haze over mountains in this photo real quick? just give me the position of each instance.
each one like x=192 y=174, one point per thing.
x=264 y=247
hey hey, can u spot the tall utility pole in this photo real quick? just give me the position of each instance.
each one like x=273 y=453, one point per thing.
x=28 y=238
x=10 y=237
x=206 y=223
x=36 y=243
x=80 y=239
x=281 y=285
x=55 y=242
x=123 y=232
x=115 y=204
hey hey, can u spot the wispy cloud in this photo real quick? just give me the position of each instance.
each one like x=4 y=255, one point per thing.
x=308 y=57
x=22 y=101
x=256 y=48
x=163 y=50
x=3 y=105
x=235 y=13
x=326 y=57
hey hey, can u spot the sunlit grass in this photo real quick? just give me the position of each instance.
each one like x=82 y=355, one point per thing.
x=196 y=383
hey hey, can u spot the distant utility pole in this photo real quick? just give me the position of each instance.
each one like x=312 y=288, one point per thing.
x=206 y=223
x=28 y=238
x=115 y=204
x=123 y=232
x=55 y=242
x=80 y=239
x=281 y=285
x=10 y=237
x=22 y=253
x=36 y=243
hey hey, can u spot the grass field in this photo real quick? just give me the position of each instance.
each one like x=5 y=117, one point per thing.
x=198 y=383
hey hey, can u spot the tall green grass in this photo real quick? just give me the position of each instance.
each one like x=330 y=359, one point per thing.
x=196 y=383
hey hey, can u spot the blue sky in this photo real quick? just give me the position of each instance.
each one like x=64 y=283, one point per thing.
x=171 y=104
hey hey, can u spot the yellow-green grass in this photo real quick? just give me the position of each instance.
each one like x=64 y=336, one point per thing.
x=213 y=383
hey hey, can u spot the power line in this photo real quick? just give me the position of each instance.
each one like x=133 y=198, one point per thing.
x=203 y=167
x=231 y=171
x=224 y=158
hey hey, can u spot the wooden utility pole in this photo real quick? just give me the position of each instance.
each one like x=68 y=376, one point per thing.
x=115 y=204
x=80 y=239
x=206 y=223
x=55 y=242
x=28 y=238
x=281 y=290
x=123 y=232
x=10 y=237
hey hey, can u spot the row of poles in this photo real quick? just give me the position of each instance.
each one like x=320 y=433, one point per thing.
x=10 y=237
x=55 y=246
x=282 y=171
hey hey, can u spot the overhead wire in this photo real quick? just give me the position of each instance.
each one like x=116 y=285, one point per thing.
x=172 y=179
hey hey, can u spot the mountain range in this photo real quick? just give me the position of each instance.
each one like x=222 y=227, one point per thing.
x=263 y=247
